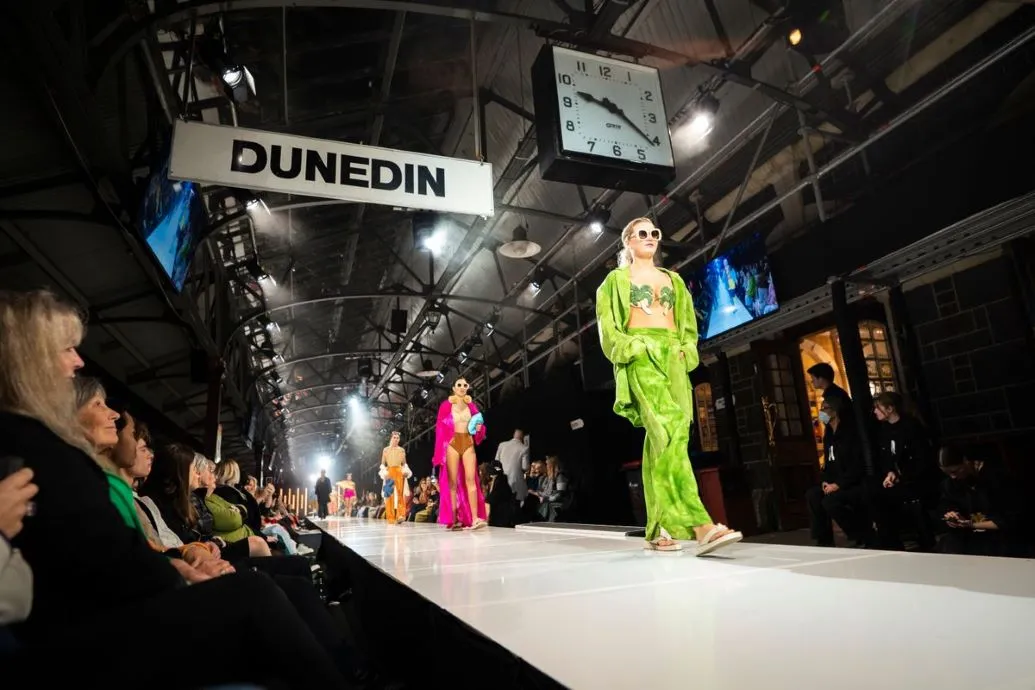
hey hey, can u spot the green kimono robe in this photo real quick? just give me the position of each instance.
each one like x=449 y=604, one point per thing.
x=620 y=348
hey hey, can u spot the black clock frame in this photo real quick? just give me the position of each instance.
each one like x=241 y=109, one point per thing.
x=557 y=165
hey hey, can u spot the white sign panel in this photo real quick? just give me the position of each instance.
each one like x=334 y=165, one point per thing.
x=272 y=162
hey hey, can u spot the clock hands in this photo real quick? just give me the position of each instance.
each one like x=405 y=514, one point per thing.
x=612 y=108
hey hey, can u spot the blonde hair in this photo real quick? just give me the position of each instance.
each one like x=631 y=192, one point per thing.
x=625 y=256
x=36 y=327
x=228 y=472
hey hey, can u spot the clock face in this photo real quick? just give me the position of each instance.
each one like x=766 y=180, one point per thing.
x=611 y=109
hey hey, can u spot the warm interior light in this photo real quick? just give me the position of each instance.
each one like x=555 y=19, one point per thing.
x=794 y=37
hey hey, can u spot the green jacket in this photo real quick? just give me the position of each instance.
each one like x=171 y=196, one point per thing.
x=121 y=496
x=621 y=348
x=228 y=522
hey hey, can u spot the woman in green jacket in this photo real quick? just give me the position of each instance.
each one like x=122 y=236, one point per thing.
x=648 y=330
x=228 y=521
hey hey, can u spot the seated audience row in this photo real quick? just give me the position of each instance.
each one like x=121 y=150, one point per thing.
x=972 y=504
x=103 y=558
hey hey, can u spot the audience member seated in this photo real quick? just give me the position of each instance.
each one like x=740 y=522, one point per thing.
x=273 y=524
x=16 y=493
x=228 y=478
x=979 y=507
x=420 y=499
x=173 y=485
x=228 y=519
x=430 y=511
x=553 y=490
x=533 y=499
x=842 y=493
x=906 y=471
x=95 y=577
x=114 y=437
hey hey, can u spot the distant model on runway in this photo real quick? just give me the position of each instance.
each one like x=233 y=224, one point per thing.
x=394 y=467
x=648 y=330
x=348 y=494
x=460 y=426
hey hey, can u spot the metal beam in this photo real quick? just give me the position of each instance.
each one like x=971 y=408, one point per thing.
x=120 y=35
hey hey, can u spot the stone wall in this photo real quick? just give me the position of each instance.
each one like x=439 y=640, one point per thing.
x=975 y=353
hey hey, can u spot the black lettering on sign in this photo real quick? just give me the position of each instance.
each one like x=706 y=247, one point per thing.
x=377 y=179
x=354 y=170
x=277 y=162
x=237 y=156
x=436 y=181
x=315 y=163
x=408 y=188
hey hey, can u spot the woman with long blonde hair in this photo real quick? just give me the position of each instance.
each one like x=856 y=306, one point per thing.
x=648 y=330
x=93 y=574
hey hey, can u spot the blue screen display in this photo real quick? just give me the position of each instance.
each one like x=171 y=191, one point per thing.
x=733 y=289
x=169 y=222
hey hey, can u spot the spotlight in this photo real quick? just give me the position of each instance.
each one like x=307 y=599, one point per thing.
x=425 y=393
x=703 y=119
x=536 y=284
x=598 y=219
x=462 y=355
x=794 y=37
x=435 y=242
x=490 y=323
x=233 y=75
x=428 y=235
x=434 y=316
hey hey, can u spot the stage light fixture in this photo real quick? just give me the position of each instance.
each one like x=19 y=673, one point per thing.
x=794 y=37
x=598 y=219
x=433 y=318
x=703 y=119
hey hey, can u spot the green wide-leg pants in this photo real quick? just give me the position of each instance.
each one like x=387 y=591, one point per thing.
x=661 y=391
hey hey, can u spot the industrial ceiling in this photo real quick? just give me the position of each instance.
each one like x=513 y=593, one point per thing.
x=291 y=299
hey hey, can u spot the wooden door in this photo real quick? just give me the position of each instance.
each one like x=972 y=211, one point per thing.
x=791 y=443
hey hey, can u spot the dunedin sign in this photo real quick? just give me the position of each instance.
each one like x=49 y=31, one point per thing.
x=253 y=159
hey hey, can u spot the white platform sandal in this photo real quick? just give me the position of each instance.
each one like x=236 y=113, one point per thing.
x=657 y=545
x=713 y=541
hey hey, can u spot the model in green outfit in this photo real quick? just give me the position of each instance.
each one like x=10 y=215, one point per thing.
x=648 y=330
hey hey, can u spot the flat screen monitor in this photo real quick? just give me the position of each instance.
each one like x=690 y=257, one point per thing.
x=733 y=289
x=170 y=219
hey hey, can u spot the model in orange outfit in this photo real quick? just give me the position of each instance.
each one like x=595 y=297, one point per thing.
x=394 y=467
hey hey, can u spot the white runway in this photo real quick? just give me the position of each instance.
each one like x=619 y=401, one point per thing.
x=596 y=611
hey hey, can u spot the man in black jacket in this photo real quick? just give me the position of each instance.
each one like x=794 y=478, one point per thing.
x=323 y=494
x=842 y=493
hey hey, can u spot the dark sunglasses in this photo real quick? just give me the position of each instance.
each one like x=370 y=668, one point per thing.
x=653 y=233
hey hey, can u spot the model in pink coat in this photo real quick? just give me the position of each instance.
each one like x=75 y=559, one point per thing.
x=459 y=428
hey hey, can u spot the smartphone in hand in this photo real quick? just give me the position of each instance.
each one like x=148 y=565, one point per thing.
x=9 y=464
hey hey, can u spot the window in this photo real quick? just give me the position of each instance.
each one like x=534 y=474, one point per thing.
x=785 y=396
x=880 y=369
x=706 y=417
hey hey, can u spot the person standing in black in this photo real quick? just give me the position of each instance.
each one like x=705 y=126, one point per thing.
x=323 y=494
x=822 y=376
x=907 y=474
x=842 y=494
